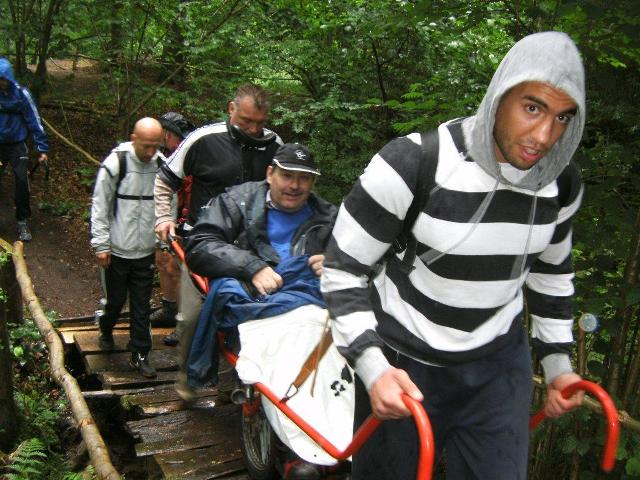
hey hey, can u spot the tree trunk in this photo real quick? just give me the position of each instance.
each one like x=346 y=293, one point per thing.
x=8 y=417
x=625 y=314
x=173 y=52
x=17 y=10
x=633 y=370
x=40 y=82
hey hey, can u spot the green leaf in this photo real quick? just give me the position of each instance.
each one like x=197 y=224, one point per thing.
x=632 y=467
x=633 y=296
x=570 y=444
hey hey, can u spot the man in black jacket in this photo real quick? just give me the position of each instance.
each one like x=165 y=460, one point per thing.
x=253 y=227
x=217 y=156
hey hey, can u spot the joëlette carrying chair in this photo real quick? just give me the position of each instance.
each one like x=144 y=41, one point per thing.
x=426 y=448
x=251 y=408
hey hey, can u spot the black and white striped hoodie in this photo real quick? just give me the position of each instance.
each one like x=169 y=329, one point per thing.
x=488 y=237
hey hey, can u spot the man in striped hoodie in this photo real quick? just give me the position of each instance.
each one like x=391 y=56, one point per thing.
x=494 y=230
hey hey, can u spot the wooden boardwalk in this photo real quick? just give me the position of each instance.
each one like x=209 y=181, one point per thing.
x=197 y=442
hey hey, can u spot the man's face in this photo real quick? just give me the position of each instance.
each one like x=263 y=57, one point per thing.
x=146 y=144
x=247 y=117
x=4 y=84
x=289 y=189
x=531 y=118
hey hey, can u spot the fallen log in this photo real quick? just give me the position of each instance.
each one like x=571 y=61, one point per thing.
x=98 y=451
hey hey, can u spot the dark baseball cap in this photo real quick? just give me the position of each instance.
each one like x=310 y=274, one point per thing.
x=176 y=123
x=295 y=156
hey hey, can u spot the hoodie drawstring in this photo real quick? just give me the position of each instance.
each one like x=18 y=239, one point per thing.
x=432 y=255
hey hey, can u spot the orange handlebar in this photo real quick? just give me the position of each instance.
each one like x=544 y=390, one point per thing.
x=201 y=282
x=611 y=414
x=426 y=456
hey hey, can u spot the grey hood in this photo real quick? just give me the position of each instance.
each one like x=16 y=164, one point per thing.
x=549 y=57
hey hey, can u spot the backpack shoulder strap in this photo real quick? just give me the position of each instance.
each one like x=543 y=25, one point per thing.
x=122 y=172
x=426 y=181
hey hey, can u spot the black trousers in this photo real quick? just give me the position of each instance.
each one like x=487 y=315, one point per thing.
x=134 y=277
x=17 y=155
x=479 y=413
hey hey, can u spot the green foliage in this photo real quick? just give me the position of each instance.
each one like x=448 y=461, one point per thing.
x=87 y=176
x=29 y=349
x=335 y=131
x=41 y=406
x=27 y=461
x=31 y=461
x=4 y=257
x=61 y=208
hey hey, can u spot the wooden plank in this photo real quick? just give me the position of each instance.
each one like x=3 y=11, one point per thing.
x=149 y=410
x=93 y=394
x=203 y=464
x=161 y=360
x=129 y=380
x=67 y=333
x=87 y=342
x=151 y=429
x=70 y=321
x=166 y=394
x=164 y=399
x=121 y=325
x=186 y=430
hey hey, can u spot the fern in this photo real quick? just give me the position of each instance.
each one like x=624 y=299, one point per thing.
x=26 y=461
x=73 y=476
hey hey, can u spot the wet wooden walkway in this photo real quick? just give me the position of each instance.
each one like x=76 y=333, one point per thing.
x=197 y=441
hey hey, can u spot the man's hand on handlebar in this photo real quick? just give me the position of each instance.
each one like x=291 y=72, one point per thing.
x=266 y=281
x=386 y=394
x=555 y=404
x=164 y=229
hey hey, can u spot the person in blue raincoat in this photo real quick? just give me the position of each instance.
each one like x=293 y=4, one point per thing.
x=18 y=119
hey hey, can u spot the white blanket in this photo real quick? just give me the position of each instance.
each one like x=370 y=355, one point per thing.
x=272 y=352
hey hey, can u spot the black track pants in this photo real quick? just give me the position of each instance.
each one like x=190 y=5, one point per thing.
x=16 y=155
x=134 y=277
x=479 y=413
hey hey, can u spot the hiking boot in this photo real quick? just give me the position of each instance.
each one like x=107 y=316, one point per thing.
x=300 y=470
x=171 y=340
x=185 y=391
x=166 y=316
x=106 y=342
x=141 y=363
x=24 y=235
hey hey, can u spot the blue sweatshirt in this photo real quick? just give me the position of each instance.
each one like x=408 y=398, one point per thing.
x=18 y=113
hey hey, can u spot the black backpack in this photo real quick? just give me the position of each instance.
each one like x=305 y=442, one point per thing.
x=122 y=172
x=427 y=173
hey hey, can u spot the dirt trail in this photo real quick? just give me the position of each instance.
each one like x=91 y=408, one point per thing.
x=60 y=261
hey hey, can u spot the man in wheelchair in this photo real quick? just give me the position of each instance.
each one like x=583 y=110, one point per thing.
x=261 y=244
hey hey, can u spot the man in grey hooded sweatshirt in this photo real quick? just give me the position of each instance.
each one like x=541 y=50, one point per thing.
x=493 y=230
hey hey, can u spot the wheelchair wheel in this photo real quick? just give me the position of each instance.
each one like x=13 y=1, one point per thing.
x=259 y=446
